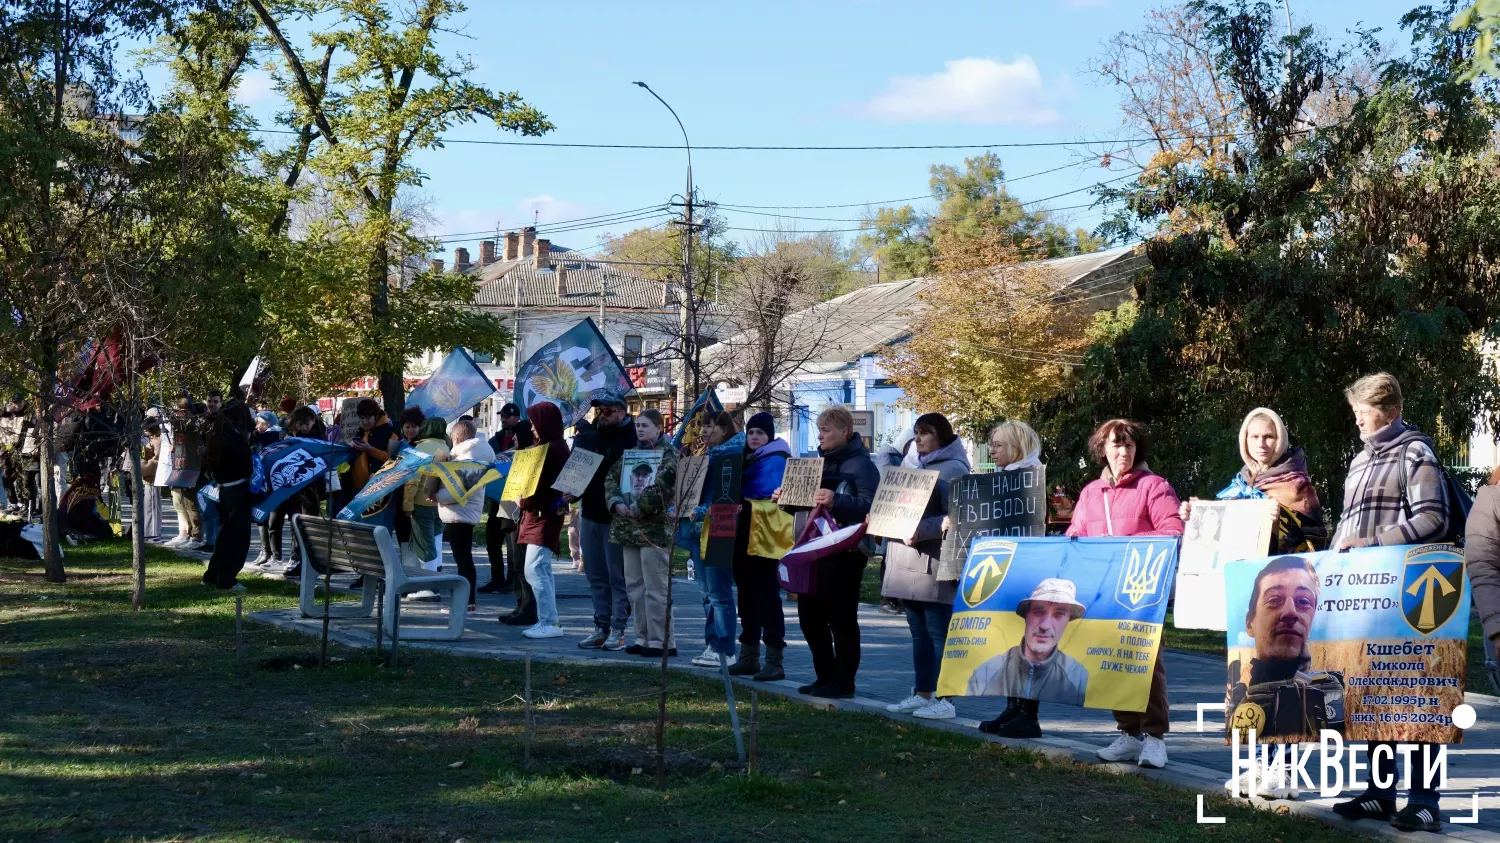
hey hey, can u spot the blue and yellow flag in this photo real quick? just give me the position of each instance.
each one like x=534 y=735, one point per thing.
x=463 y=478
x=291 y=465
x=454 y=389
x=373 y=503
x=569 y=371
x=690 y=429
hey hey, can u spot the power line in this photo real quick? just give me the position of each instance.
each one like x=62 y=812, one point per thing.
x=540 y=226
x=893 y=201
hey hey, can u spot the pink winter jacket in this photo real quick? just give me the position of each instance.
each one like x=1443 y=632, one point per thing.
x=1138 y=503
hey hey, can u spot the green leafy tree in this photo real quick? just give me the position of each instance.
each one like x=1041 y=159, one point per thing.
x=1365 y=245
x=388 y=94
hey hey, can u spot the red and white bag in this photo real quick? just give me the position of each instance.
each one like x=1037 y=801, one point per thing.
x=821 y=537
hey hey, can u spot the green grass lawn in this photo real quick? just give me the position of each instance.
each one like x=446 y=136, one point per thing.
x=121 y=726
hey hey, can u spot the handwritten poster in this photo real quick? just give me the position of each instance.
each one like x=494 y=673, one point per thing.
x=578 y=472
x=525 y=473
x=691 y=472
x=900 y=501
x=801 y=481
x=999 y=503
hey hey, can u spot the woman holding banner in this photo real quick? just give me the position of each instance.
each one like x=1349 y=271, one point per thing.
x=723 y=439
x=643 y=530
x=1013 y=446
x=911 y=567
x=1273 y=469
x=1129 y=500
x=542 y=520
x=459 y=519
x=830 y=617
x=1395 y=494
x=761 y=618
x=417 y=501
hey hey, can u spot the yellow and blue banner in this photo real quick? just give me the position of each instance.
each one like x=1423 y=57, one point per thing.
x=291 y=465
x=372 y=505
x=1074 y=621
x=569 y=371
x=454 y=389
x=1371 y=643
x=464 y=478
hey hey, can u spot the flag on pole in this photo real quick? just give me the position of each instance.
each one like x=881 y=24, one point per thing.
x=291 y=465
x=373 y=503
x=690 y=428
x=456 y=386
x=570 y=370
x=253 y=382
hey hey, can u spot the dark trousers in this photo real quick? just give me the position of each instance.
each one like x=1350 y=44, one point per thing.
x=1386 y=769
x=830 y=618
x=1156 y=719
x=761 y=618
x=461 y=542
x=275 y=524
x=928 y=623
x=506 y=562
x=234 y=536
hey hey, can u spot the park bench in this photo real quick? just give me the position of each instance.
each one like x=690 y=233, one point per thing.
x=340 y=546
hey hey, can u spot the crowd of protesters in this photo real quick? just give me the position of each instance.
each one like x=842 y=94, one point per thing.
x=1395 y=493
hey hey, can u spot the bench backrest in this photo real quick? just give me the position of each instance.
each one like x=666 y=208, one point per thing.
x=339 y=545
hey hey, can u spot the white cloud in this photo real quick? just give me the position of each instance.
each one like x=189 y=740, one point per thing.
x=547 y=209
x=970 y=91
x=254 y=87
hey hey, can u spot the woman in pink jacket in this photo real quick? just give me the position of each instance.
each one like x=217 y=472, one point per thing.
x=1128 y=500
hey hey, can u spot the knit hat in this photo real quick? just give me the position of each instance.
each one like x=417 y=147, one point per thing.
x=764 y=422
x=1282 y=440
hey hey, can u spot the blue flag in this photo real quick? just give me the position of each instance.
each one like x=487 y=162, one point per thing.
x=502 y=465
x=373 y=504
x=690 y=429
x=291 y=465
x=569 y=371
x=454 y=389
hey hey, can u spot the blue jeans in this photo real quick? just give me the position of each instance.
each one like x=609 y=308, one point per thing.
x=539 y=577
x=717 y=583
x=604 y=565
x=210 y=515
x=928 y=623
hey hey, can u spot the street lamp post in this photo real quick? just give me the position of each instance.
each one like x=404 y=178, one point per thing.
x=687 y=321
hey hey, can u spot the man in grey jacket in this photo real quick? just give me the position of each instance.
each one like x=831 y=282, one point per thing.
x=1036 y=668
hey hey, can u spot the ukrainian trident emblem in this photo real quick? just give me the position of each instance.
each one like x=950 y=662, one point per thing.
x=1143 y=570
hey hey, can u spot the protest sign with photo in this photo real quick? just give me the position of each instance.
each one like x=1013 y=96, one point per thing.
x=578 y=472
x=723 y=508
x=1074 y=621
x=1001 y=503
x=1218 y=532
x=900 y=500
x=800 y=481
x=691 y=473
x=638 y=468
x=1370 y=643
x=187 y=458
x=525 y=473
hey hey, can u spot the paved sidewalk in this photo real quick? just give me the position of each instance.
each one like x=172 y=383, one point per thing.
x=1197 y=760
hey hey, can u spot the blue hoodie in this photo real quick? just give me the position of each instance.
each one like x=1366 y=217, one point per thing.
x=763 y=470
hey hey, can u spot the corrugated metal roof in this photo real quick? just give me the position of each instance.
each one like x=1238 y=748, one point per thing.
x=585 y=278
x=869 y=318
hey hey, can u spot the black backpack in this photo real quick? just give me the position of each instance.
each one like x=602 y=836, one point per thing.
x=1458 y=498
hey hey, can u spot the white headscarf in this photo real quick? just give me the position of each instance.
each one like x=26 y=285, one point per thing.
x=1282 y=441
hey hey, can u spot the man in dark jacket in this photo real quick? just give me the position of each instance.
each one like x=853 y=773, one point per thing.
x=610 y=435
x=506 y=570
x=830 y=617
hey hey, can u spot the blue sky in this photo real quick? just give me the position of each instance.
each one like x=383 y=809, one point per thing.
x=838 y=72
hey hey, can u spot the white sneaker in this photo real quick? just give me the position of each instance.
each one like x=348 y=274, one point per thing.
x=1266 y=784
x=936 y=710
x=1125 y=748
x=177 y=541
x=1153 y=753
x=192 y=544
x=708 y=658
x=423 y=596
x=908 y=705
x=544 y=631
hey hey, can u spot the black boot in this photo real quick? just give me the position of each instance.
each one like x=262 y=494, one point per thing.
x=1024 y=724
x=1012 y=708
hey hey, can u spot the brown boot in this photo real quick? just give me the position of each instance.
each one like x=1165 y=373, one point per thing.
x=749 y=661
x=773 y=670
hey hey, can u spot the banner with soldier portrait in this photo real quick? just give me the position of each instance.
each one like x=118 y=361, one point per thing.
x=1074 y=621
x=1370 y=643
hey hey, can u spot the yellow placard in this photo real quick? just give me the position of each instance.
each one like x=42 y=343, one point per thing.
x=525 y=473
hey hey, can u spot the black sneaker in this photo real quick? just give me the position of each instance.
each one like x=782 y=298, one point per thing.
x=810 y=688
x=518 y=620
x=208 y=548
x=635 y=649
x=1012 y=708
x=654 y=652
x=1366 y=807
x=1415 y=817
x=829 y=690
x=492 y=587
